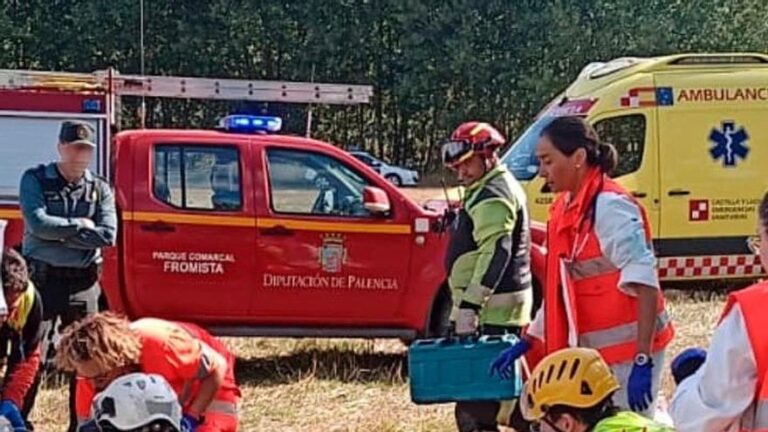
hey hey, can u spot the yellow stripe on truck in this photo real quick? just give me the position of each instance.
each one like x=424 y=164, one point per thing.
x=10 y=214
x=335 y=226
x=189 y=219
x=295 y=224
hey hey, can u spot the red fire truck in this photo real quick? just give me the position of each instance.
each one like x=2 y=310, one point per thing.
x=244 y=230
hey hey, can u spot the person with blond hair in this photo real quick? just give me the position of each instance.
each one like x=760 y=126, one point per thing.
x=200 y=369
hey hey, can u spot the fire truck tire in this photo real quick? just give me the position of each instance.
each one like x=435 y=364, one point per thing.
x=439 y=323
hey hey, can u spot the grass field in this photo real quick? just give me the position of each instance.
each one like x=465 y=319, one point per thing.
x=354 y=385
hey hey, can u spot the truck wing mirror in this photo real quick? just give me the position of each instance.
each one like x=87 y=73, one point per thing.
x=375 y=200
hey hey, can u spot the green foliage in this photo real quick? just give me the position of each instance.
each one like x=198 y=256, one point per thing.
x=433 y=63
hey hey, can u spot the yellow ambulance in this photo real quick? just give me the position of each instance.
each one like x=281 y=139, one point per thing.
x=692 y=136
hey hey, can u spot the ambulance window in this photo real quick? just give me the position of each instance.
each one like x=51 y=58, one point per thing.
x=197 y=177
x=627 y=134
x=304 y=182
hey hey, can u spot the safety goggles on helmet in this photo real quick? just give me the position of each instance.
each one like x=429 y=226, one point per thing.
x=454 y=152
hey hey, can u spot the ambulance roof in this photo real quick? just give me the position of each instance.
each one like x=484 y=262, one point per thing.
x=601 y=74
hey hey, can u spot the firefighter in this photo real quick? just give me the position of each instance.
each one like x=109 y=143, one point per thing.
x=730 y=389
x=601 y=286
x=199 y=368
x=20 y=335
x=69 y=216
x=488 y=258
x=572 y=390
x=136 y=402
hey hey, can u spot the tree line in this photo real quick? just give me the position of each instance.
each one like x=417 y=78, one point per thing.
x=433 y=64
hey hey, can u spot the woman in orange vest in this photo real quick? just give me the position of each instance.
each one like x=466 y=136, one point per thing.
x=601 y=289
x=729 y=391
x=199 y=368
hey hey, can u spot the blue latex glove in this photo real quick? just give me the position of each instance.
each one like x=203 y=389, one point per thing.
x=189 y=423
x=504 y=364
x=639 y=387
x=10 y=411
x=687 y=363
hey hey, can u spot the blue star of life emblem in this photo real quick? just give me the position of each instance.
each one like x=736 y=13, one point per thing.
x=730 y=144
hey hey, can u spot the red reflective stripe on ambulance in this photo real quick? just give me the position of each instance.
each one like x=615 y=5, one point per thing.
x=681 y=268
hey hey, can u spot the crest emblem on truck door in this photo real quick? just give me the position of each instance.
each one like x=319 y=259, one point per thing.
x=332 y=253
x=730 y=143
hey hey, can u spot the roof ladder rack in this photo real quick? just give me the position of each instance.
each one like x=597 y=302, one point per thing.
x=188 y=87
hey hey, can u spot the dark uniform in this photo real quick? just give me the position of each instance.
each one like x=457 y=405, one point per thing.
x=488 y=261
x=63 y=251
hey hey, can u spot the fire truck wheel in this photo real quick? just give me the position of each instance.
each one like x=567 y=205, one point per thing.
x=440 y=317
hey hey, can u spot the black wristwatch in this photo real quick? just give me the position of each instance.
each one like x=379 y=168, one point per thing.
x=642 y=359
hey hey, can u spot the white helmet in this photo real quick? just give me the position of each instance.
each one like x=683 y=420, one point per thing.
x=136 y=400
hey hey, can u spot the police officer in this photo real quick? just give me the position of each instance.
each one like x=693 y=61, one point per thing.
x=69 y=216
x=488 y=257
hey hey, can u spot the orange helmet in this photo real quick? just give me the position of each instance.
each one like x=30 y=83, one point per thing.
x=469 y=138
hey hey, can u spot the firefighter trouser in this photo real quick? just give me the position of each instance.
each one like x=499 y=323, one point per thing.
x=68 y=294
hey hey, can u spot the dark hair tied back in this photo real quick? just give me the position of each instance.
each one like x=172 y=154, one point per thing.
x=571 y=133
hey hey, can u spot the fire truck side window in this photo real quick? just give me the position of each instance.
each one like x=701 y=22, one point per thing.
x=197 y=177
x=627 y=133
x=304 y=182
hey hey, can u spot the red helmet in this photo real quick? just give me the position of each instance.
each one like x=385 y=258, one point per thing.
x=468 y=138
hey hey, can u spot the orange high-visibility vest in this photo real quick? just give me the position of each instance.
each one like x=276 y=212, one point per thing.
x=752 y=302
x=598 y=313
x=176 y=351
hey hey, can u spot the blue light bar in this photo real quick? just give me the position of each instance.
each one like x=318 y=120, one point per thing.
x=92 y=106
x=241 y=123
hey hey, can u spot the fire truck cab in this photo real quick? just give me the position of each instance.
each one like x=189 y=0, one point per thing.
x=259 y=233
x=241 y=229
